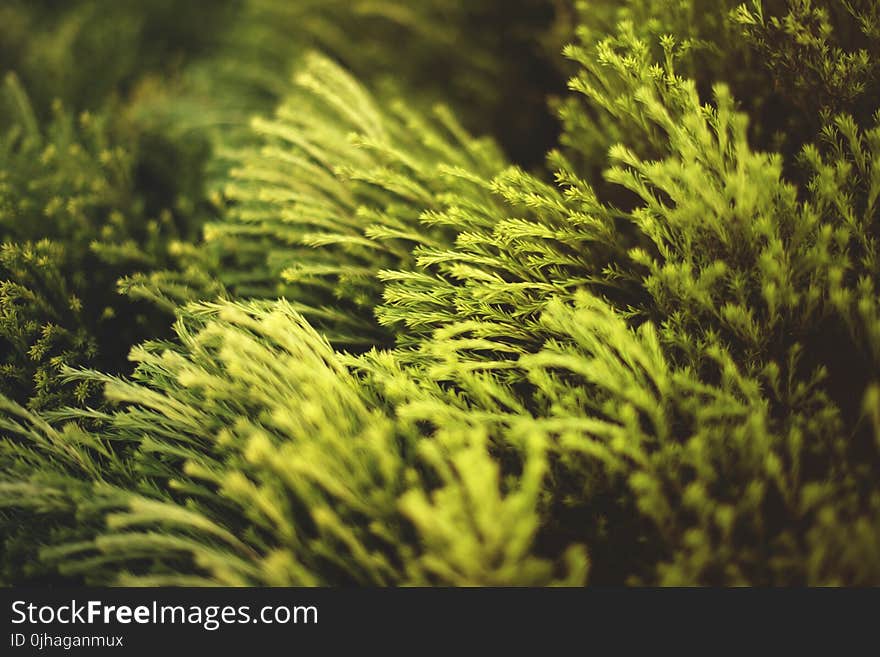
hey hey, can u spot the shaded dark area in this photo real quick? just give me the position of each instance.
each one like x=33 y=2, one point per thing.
x=531 y=74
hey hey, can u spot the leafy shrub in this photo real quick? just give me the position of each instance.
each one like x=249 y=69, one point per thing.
x=654 y=362
x=71 y=224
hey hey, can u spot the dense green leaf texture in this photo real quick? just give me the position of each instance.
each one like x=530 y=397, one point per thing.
x=405 y=355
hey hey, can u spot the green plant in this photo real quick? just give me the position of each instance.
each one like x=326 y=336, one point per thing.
x=652 y=362
x=71 y=224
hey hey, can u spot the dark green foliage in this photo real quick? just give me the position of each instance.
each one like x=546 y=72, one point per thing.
x=72 y=224
x=402 y=358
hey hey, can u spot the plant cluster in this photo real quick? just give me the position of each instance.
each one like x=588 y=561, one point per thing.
x=405 y=355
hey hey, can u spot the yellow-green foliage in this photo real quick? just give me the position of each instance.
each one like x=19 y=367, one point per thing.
x=269 y=464
x=653 y=361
